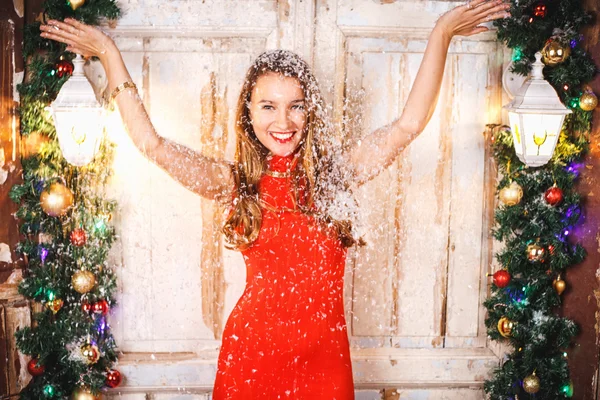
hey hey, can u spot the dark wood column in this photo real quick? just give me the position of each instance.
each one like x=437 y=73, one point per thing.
x=12 y=306
x=14 y=309
x=582 y=299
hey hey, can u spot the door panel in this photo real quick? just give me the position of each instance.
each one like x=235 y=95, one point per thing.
x=413 y=293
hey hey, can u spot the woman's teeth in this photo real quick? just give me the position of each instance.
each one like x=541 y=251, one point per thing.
x=282 y=136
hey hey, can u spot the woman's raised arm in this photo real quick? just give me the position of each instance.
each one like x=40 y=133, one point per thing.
x=208 y=177
x=377 y=151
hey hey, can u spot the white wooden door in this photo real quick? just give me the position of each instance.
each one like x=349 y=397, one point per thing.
x=413 y=294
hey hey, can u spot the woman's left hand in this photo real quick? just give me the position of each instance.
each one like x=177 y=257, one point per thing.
x=465 y=20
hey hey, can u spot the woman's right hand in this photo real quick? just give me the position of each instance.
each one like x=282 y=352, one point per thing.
x=80 y=38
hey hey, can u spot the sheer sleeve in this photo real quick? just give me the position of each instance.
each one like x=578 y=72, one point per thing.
x=368 y=156
x=375 y=152
x=205 y=176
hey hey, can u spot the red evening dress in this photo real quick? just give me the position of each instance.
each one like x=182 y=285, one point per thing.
x=286 y=337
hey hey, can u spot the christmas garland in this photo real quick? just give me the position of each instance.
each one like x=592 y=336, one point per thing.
x=66 y=235
x=539 y=207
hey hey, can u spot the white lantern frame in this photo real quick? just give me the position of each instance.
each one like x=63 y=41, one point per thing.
x=536 y=117
x=78 y=117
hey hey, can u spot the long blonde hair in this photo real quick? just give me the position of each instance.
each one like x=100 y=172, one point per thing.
x=315 y=155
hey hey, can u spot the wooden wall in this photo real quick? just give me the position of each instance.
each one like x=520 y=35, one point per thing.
x=582 y=300
x=413 y=294
x=14 y=311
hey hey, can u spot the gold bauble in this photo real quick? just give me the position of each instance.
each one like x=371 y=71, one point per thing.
x=588 y=101
x=512 y=194
x=54 y=305
x=75 y=4
x=531 y=384
x=505 y=327
x=85 y=393
x=56 y=200
x=83 y=281
x=90 y=352
x=535 y=252
x=555 y=52
x=559 y=285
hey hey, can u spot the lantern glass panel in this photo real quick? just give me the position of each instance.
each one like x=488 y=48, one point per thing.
x=540 y=132
x=515 y=127
x=79 y=133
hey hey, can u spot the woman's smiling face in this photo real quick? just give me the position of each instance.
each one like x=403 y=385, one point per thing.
x=278 y=112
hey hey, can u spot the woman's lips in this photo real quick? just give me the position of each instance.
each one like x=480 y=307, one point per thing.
x=282 y=137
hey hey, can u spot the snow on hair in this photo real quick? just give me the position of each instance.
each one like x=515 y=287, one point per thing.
x=317 y=155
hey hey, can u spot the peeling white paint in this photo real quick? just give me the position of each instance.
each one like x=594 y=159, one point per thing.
x=15 y=277
x=5 y=255
x=17 y=79
x=3 y=172
x=19 y=6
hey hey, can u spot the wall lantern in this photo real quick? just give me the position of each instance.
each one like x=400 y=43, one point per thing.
x=78 y=117
x=536 y=118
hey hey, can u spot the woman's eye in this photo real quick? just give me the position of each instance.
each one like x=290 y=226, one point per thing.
x=298 y=107
x=267 y=107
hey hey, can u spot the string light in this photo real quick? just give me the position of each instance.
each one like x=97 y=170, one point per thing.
x=568 y=389
x=100 y=225
x=517 y=54
x=574 y=103
x=49 y=391
x=43 y=254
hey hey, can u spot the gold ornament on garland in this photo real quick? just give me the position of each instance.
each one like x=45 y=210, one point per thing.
x=56 y=200
x=84 y=393
x=555 y=53
x=83 y=281
x=90 y=352
x=559 y=285
x=505 y=327
x=535 y=252
x=55 y=305
x=531 y=384
x=75 y=4
x=512 y=194
x=588 y=101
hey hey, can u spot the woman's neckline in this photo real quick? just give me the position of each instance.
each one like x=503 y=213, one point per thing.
x=281 y=164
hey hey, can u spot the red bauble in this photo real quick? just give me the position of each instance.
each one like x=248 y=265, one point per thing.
x=501 y=278
x=86 y=307
x=553 y=196
x=113 y=378
x=78 y=237
x=34 y=368
x=540 y=9
x=64 y=67
x=101 y=307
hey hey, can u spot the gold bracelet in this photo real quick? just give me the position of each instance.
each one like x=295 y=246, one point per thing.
x=120 y=88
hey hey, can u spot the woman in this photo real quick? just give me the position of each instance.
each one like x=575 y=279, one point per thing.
x=286 y=337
